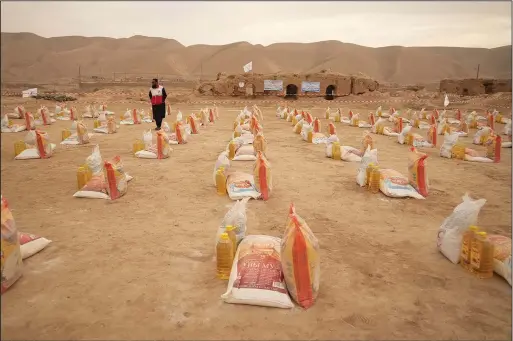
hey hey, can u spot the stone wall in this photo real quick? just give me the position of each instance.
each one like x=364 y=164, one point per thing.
x=229 y=85
x=474 y=87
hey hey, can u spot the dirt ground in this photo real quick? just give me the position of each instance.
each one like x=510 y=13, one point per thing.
x=141 y=267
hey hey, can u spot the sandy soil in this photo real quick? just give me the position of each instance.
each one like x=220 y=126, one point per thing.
x=141 y=267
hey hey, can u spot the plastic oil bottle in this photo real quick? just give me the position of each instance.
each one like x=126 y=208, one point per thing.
x=224 y=250
x=19 y=146
x=335 y=151
x=337 y=116
x=221 y=181
x=138 y=146
x=481 y=258
x=466 y=247
x=458 y=151
x=231 y=150
x=81 y=177
x=65 y=134
x=96 y=123
x=309 y=136
x=374 y=179
x=230 y=230
x=368 y=171
x=89 y=172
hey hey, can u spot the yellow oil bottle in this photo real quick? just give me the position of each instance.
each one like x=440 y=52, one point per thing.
x=409 y=139
x=368 y=171
x=232 y=148
x=81 y=177
x=337 y=116
x=473 y=124
x=294 y=120
x=466 y=247
x=96 y=123
x=224 y=257
x=236 y=134
x=88 y=171
x=230 y=230
x=335 y=151
x=374 y=180
x=327 y=114
x=65 y=133
x=309 y=136
x=19 y=146
x=221 y=181
x=138 y=146
x=481 y=257
x=458 y=151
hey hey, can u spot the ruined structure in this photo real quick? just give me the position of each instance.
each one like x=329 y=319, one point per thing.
x=331 y=85
x=474 y=87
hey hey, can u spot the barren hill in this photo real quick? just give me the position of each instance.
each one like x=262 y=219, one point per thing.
x=28 y=57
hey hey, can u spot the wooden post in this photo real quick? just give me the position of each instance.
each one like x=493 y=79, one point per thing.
x=477 y=77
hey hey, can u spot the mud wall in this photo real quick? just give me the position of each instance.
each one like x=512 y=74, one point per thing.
x=230 y=85
x=474 y=87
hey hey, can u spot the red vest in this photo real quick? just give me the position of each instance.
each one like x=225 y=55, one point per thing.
x=156 y=95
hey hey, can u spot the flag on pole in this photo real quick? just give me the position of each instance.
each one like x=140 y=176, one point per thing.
x=248 y=67
x=446 y=101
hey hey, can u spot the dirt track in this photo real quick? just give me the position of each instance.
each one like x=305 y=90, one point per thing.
x=141 y=267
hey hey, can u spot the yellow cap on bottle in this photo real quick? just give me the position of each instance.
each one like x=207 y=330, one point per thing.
x=473 y=228
x=482 y=233
x=229 y=228
x=224 y=236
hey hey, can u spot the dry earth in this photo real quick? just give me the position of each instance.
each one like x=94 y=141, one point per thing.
x=141 y=267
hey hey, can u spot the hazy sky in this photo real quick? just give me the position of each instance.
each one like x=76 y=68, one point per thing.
x=443 y=23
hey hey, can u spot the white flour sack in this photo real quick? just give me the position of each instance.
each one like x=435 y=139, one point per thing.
x=257 y=275
x=241 y=185
x=31 y=244
x=450 y=233
x=395 y=185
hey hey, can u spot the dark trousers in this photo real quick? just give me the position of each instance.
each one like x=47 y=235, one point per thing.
x=159 y=112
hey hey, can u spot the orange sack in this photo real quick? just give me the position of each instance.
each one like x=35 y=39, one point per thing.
x=262 y=176
x=317 y=126
x=417 y=172
x=117 y=183
x=331 y=129
x=300 y=260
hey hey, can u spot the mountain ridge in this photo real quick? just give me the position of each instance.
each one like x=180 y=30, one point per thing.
x=29 y=57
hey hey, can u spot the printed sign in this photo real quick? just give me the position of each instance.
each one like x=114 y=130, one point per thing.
x=311 y=86
x=29 y=93
x=273 y=85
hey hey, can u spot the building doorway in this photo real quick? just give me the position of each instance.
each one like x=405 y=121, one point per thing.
x=330 y=92
x=250 y=90
x=291 y=91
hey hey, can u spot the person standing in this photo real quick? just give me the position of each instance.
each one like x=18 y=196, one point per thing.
x=158 y=102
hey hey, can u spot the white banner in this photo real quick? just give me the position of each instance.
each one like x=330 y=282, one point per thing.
x=273 y=85
x=248 y=67
x=311 y=86
x=29 y=93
